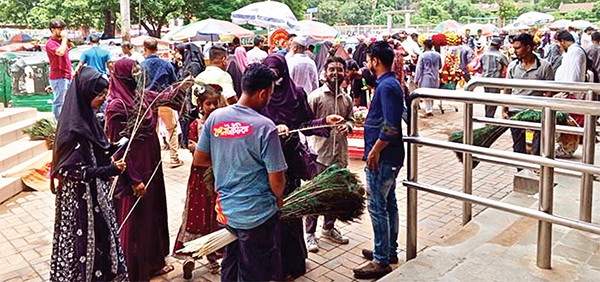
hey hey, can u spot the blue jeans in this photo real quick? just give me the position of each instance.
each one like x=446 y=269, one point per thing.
x=59 y=90
x=383 y=208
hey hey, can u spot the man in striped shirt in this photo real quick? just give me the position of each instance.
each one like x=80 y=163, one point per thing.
x=493 y=64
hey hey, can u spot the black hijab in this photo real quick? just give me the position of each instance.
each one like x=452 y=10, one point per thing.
x=193 y=61
x=78 y=119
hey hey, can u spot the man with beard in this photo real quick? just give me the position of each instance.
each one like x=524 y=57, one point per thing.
x=327 y=100
x=384 y=154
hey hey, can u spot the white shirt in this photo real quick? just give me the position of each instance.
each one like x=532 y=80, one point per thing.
x=256 y=56
x=586 y=41
x=303 y=72
x=573 y=66
x=135 y=56
x=411 y=47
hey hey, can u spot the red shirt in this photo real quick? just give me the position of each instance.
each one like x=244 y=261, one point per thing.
x=60 y=66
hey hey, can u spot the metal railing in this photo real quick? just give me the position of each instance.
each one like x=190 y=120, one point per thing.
x=546 y=162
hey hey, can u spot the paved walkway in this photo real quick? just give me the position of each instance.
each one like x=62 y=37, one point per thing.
x=26 y=220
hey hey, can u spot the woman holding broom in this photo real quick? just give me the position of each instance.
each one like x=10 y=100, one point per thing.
x=86 y=243
x=199 y=216
x=288 y=109
x=145 y=232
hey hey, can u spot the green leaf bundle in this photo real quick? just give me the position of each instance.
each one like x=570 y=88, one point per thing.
x=44 y=129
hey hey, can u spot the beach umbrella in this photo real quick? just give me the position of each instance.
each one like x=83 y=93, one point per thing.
x=474 y=27
x=581 y=24
x=21 y=38
x=315 y=30
x=17 y=47
x=515 y=26
x=492 y=27
x=269 y=14
x=535 y=18
x=208 y=27
x=447 y=26
x=560 y=24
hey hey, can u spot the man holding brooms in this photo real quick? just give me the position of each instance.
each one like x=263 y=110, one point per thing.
x=249 y=169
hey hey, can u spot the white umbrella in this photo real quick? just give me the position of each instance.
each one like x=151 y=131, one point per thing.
x=269 y=14
x=315 y=31
x=515 y=26
x=581 y=24
x=535 y=18
x=560 y=24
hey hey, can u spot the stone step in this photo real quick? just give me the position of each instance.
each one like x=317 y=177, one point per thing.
x=19 y=152
x=9 y=187
x=1 y=107
x=13 y=115
x=14 y=131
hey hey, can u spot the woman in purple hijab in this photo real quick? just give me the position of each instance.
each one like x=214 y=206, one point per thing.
x=145 y=235
x=288 y=106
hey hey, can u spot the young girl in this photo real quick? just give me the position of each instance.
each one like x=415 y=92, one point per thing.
x=199 y=216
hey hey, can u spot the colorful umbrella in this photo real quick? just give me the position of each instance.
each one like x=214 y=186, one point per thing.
x=581 y=24
x=535 y=18
x=492 y=27
x=560 y=24
x=17 y=47
x=316 y=30
x=269 y=14
x=447 y=26
x=474 y=27
x=209 y=27
x=21 y=38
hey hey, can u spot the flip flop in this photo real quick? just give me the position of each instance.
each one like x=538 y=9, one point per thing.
x=166 y=269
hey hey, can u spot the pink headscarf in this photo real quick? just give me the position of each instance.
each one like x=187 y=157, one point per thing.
x=241 y=57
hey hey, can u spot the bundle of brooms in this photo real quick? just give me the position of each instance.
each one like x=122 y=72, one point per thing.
x=336 y=192
x=487 y=135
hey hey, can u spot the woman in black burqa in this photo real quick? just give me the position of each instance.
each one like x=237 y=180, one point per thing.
x=86 y=243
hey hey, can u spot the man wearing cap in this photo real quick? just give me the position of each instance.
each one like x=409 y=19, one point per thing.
x=586 y=37
x=303 y=70
x=493 y=64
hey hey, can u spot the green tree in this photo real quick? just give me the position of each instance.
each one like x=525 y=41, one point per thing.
x=507 y=10
x=328 y=11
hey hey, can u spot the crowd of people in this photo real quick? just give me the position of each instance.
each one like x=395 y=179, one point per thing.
x=238 y=114
x=236 y=117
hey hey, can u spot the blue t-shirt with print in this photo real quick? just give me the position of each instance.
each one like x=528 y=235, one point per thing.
x=97 y=58
x=245 y=148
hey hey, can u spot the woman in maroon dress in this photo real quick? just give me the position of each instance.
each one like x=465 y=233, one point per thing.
x=199 y=216
x=145 y=235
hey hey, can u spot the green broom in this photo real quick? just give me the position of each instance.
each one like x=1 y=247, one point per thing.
x=487 y=135
x=336 y=192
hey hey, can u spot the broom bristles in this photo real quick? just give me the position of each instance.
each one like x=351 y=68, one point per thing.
x=336 y=192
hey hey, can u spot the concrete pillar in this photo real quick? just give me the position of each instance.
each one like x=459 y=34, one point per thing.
x=389 y=23
x=406 y=20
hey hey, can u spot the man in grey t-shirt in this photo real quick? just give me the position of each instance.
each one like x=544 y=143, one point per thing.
x=528 y=66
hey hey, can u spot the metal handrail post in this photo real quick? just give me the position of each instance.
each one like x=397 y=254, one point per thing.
x=589 y=142
x=411 y=207
x=544 y=246
x=467 y=211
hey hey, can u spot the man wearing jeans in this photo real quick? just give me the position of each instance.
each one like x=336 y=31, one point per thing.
x=384 y=153
x=60 y=64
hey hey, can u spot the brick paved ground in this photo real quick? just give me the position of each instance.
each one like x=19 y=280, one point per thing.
x=26 y=220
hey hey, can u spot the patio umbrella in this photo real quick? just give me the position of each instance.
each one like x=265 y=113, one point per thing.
x=447 y=26
x=316 y=30
x=17 y=47
x=269 y=14
x=474 y=27
x=209 y=27
x=581 y=24
x=560 y=24
x=535 y=18
x=21 y=38
x=492 y=27
x=515 y=26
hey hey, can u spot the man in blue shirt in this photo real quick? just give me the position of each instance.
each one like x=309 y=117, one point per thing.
x=249 y=166
x=95 y=57
x=159 y=75
x=384 y=153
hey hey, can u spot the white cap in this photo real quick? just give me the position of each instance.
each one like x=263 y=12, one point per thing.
x=300 y=40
